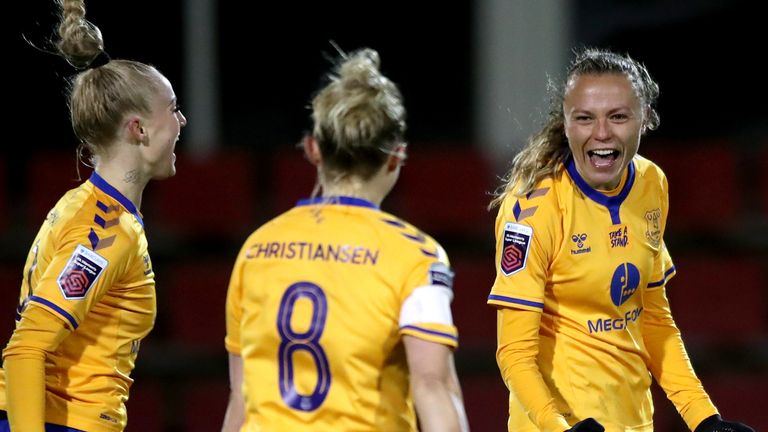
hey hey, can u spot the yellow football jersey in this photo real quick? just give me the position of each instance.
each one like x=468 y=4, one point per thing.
x=89 y=266
x=586 y=260
x=314 y=310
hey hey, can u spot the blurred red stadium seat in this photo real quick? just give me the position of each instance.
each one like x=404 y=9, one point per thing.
x=445 y=190
x=705 y=191
x=486 y=401
x=49 y=175
x=146 y=406
x=475 y=320
x=211 y=196
x=740 y=397
x=205 y=403
x=293 y=178
x=196 y=293
x=719 y=299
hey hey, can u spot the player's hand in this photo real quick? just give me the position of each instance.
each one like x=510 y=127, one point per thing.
x=589 y=425
x=716 y=424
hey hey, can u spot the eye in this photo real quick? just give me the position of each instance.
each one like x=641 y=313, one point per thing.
x=619 y=117
x=177 y=108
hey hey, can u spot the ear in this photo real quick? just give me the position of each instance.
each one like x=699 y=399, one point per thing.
x=136 y=131
x=312 y=150
x=397 y=158
x=646 y=116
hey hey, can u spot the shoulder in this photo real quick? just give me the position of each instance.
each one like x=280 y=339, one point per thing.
x=646 y=171
x=96 y=221
x=646 y=168
x=408 y=238
x=542 y=202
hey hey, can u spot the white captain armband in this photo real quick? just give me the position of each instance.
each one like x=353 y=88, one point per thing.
x=427 y=304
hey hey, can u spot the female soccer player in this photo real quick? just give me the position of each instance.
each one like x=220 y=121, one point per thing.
x=88 y=291
x=338 y=314
x=583 y=318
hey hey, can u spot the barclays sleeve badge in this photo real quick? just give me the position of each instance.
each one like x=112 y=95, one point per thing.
x=81 y=272
x=514 y=252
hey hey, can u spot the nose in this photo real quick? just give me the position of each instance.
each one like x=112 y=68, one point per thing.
x=602 y=130
x=182 y=119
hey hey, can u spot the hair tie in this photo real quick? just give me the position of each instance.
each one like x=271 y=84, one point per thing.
x=101 y=59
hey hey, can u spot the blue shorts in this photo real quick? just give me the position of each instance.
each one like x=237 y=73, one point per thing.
x=5 y=427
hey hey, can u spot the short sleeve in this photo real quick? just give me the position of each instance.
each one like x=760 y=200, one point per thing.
x=425 y=308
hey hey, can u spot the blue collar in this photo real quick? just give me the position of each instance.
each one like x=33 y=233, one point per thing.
x=613 y=203
x=337 y=200
x=108 y=189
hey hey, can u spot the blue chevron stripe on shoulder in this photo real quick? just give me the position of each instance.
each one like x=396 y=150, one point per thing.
x=428 y=253
x=417 y=237
x=100 y=243
x=521 y=213
x=395 y=223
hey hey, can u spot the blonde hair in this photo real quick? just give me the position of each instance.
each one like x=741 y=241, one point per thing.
x=100 y=96
x=358 y=117
x=547 y=149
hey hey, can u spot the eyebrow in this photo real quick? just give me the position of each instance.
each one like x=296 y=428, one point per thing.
x=612 y=110
x=173 y=101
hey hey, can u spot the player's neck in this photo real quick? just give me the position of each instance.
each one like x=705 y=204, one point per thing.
x=126 y=181
x=354 y=190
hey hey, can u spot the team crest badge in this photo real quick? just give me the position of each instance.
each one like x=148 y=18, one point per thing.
x=653 y=226
x=81 y=272
x=514 y=253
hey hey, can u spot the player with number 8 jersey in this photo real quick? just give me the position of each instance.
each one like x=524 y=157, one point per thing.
x=338 y=312
x=314 y=307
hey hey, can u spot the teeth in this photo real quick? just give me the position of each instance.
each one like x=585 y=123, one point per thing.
x=603 y=152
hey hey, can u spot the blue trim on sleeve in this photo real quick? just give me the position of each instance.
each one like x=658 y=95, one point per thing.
x=663 y=280
x=431 y=332
x=613 y=203
x=338 y=200
x=55 y=307
x=102 y=184
x=515 y=301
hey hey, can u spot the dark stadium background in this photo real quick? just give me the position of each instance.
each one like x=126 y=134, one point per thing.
x=713 y=144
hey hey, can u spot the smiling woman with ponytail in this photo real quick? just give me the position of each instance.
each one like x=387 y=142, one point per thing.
x=88 y=291
x=582 y=267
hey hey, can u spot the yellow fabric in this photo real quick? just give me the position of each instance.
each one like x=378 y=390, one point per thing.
x=329 y=279
x=24 y=367
x=89 y=267
x=518 y=342
x=587 y=262
x=26 y=405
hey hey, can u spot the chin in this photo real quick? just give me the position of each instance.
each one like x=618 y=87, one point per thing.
x=168 y=174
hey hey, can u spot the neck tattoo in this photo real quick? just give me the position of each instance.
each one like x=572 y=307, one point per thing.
x=131 y=176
